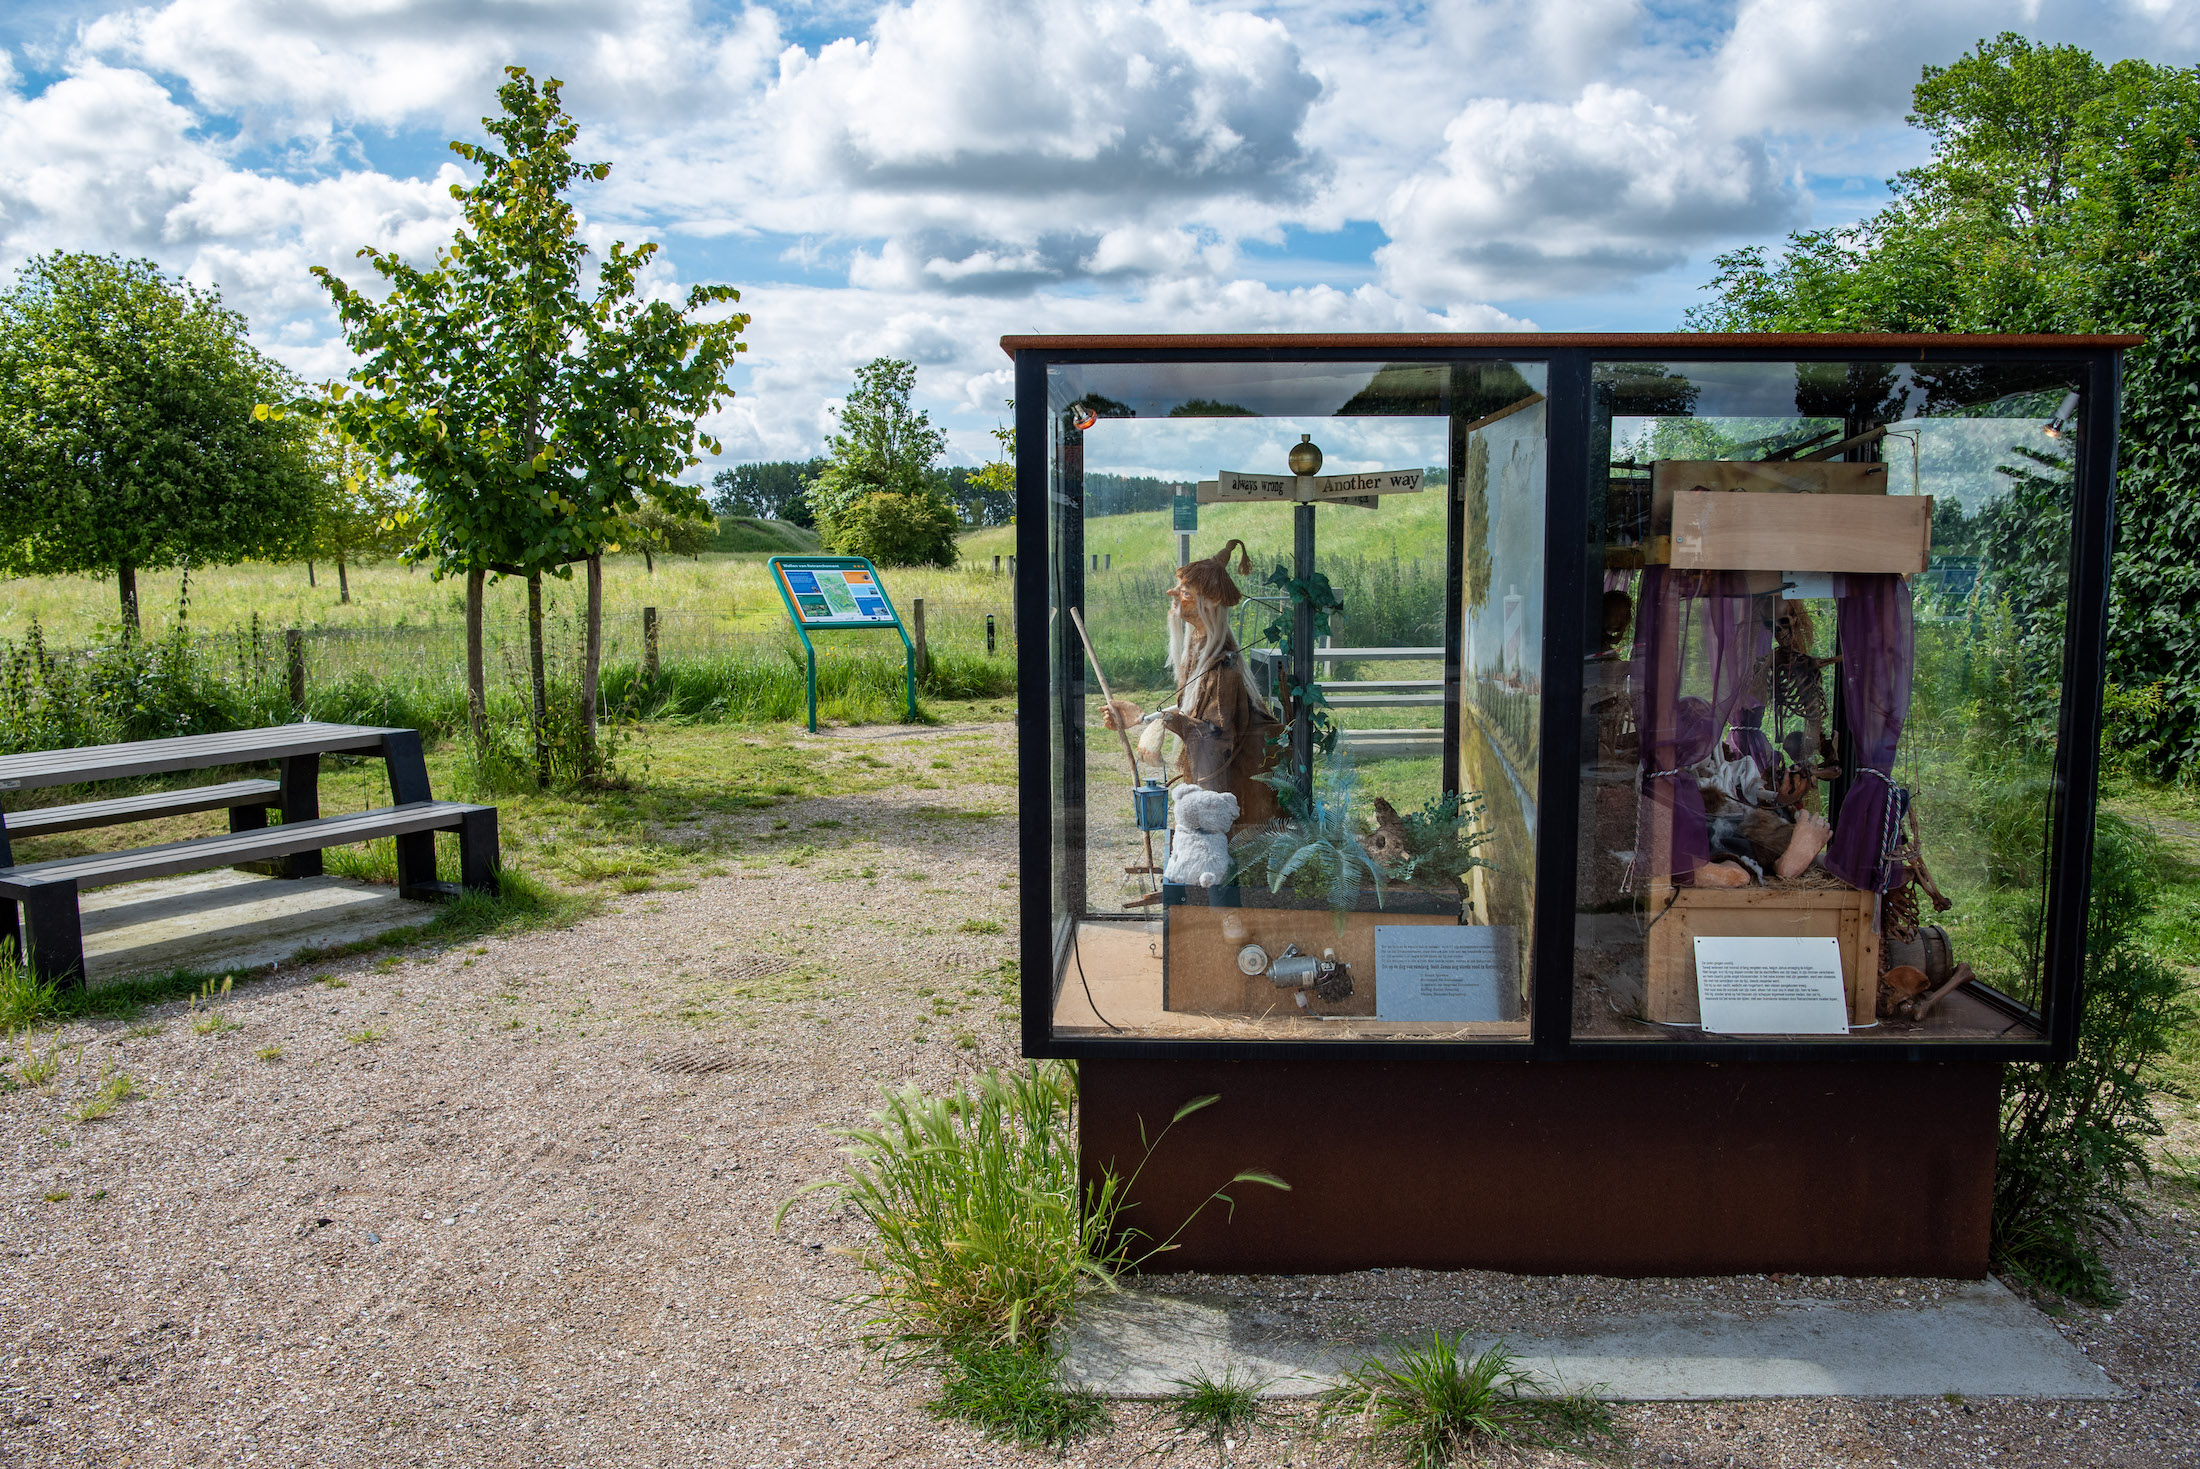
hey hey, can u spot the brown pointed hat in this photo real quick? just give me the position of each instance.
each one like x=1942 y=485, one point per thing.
x=1209 y=578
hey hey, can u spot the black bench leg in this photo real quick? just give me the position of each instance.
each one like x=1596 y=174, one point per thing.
x=251 y=818
x=54 y=934
x=301 y=798
x=477 y=851
x=416 y=866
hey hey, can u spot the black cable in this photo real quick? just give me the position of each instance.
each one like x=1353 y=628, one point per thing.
x=1076 y=954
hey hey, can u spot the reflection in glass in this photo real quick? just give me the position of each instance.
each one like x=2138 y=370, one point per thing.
x=1822 y=704
x=1334 y=673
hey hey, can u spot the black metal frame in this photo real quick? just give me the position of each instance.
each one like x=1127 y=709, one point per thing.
x=1566 y=619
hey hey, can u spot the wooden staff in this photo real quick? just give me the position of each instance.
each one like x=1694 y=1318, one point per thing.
x=1078 y=622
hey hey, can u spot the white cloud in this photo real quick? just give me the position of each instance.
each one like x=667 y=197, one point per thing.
x=1533 y=198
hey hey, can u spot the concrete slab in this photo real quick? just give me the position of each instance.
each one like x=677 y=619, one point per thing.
x=232 y=920
x=1977 y=1340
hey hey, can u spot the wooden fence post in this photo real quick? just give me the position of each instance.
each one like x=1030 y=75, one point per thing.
x=996 y=566
x=649 y=645
x=916 y=631
x=294 y=655
x=989 y=635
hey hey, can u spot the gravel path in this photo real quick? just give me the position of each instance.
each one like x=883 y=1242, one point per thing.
x=511 y=1205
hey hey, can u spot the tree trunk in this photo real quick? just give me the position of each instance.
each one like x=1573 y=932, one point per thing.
x=535 y=676
x=477 y=697
x=592 y=656
x=126 y=581
x=649 y=562
x=343 y=582
x=309 y=573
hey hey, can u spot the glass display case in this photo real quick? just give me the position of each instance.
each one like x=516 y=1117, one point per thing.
x=1806 y=631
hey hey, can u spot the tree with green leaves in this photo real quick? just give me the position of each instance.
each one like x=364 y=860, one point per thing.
x=778 y=490
x=878 y=495
x=655 y=531
x=532 y=416
x=128 y=435
x=2062 y=195
x=360 y=513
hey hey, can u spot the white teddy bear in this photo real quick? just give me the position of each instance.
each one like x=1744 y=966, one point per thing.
x=1199 y=847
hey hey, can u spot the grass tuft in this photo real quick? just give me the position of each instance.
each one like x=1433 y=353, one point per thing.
x=1015 y=1392
x=115 y=1088
x=1217 y=1411
x=25 y=998
x=1438 y=1405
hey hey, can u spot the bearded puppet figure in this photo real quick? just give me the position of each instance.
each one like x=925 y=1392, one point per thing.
x=1224 y=730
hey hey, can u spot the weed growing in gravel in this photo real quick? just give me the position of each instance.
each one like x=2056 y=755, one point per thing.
x=1217 y=1411
x=25 y=999
x=269 y=1054
x=210 y=1021
x=1439 y=1404
x=146 y=1029
x=366 y=1035
x=35 y=1070
x=57 y=1198
x=1015 y=1392
x=984 y=1237
x=115 y=1088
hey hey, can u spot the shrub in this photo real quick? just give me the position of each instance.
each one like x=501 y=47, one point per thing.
x=2073 y=1156
x=897 y=528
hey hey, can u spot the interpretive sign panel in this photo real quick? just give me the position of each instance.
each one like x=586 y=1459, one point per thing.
x=841 y=592
x=838 y=593
x=1771 y=986
x=1184 y=512
x=1434 y=972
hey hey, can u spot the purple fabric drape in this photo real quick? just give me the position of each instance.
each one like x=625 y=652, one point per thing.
x=1692 y=628
x=1878 y=653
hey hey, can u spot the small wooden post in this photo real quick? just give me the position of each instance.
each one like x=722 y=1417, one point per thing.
x=1107 y=561
x=916 y=631
x=294 y=655
x=996 y=566
x=649 y=644
x=989 y=635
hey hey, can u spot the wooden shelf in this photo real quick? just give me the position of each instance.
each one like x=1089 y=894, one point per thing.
x=1715 y=531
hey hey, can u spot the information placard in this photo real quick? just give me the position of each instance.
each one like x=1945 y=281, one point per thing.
x=1444 y=972
x=825 y=594
x=1771 y=986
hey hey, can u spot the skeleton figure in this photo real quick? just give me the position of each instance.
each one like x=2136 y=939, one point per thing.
x=1799 y=691
x=1225 y=728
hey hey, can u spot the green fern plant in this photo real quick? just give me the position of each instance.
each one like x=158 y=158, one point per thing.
x=1319 y=854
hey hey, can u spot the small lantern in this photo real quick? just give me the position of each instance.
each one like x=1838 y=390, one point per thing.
x=1150 y=804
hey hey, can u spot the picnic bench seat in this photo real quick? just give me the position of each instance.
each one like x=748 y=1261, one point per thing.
x=247 y=801
x=53 y=932
x=51 y=929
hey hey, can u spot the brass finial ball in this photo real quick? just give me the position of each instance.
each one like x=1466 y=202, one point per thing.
x=1306 y=456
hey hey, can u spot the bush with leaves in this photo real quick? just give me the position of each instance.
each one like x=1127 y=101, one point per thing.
x=878 y=495
x=2074 y=1136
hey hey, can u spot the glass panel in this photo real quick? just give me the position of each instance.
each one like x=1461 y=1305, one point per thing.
x=1819 y=717
x=1316 y=869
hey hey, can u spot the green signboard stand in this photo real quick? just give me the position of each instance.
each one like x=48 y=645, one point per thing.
x=837 y=594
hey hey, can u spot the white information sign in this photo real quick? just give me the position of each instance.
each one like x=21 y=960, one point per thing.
x=1771 y=986
x=1340 y=489
x=1444 y=972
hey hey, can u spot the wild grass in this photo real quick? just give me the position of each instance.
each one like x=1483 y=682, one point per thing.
x=35 y=1070
x=982 y=1237
x=1438 y=1404
x=25 y=997
x=1220 y=1412
x=1015 y=1392
x=205 y=1019
x=115 y=1088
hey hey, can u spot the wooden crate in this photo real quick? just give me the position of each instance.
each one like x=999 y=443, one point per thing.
x=1714 y=531
x=1842 y=914
x=1200 y=972
x=1670 y=477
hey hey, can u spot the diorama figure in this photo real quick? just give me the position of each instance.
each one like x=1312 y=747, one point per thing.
x=1228 y=737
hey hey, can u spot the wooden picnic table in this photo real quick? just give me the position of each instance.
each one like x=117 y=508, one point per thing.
x=50 y=933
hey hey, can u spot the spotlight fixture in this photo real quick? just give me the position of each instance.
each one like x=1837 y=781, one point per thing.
x=2059 y=425
x=1082 y=417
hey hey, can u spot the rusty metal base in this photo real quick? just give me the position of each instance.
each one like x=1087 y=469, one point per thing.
x=1586 y=1167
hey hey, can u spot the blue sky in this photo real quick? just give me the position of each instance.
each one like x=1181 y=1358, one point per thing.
x=915 y=179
